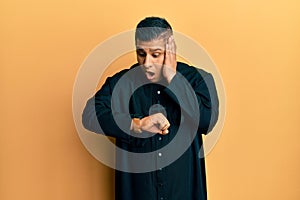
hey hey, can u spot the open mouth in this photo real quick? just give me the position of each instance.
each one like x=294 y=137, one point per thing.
x=150 y=75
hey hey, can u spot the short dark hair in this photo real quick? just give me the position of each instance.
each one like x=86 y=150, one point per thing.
x=151 y=28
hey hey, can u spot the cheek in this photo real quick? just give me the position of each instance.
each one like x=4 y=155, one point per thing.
x=158 y=68
x=159 y=63
x=160 y=60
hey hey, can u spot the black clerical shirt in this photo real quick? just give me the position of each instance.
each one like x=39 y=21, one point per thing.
x=190 y=104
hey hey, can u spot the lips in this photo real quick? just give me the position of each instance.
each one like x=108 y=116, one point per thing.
x=150 y=75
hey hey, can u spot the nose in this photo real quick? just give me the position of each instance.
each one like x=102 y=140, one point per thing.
x=147 y=61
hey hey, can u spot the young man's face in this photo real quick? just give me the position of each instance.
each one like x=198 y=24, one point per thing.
x=150 y=56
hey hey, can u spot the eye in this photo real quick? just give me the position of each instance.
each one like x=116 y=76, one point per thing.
x=140 y=53
x=155 y=55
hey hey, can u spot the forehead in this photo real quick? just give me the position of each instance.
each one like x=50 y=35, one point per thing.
x=153 y=44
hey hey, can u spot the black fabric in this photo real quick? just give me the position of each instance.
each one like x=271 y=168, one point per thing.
x=190 y=90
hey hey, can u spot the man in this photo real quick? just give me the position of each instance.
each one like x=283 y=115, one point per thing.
x=158 y=105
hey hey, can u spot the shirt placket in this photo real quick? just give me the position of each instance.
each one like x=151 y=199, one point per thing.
x=159 y=158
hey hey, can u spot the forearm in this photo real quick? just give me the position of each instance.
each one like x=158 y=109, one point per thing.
x=99 y=119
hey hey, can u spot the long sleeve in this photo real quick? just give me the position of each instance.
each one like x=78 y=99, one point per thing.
x=190 y=93
x=99 y=117
x=192 y=89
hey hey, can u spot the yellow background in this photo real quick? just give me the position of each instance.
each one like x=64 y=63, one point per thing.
x=254 y=43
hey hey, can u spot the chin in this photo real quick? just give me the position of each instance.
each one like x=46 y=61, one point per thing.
x=155 y=80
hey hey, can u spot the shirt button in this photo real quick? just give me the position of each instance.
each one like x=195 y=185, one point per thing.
x=161 y=198
x=158 y=92
x=159 y=138
x=159 y=154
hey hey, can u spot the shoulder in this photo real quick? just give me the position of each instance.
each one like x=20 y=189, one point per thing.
x=191 y=73
x=111 y=81
x=116 y=77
